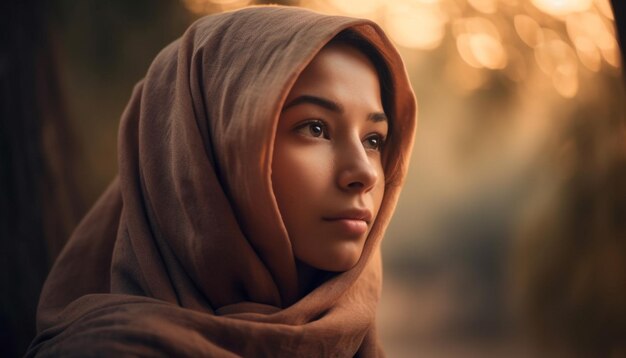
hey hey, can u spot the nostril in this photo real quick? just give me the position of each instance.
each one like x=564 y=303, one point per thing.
x=357 y=175
x=356 y=185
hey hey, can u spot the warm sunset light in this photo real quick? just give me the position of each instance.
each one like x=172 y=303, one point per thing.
x=484 y=6
x=562 y=37
x=525 y=32
x=588 y=53
x=488 y=51
x=479 y=43
x=362 y=8
x=209 y=6
x=562 y=7
x=605 y=8
x=528 y=29
x=416 y=24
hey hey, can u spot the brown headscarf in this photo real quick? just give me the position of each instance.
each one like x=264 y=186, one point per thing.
x=185 y=254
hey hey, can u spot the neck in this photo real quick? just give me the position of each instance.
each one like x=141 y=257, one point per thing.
x=309 y=278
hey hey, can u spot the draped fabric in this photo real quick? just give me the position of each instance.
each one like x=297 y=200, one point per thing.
x=185 y=254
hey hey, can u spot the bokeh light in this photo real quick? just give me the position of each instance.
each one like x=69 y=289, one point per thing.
x=416 y=24
x=482 y=32
x=605 y=8
x=484 y=6
x=528 y=29
x=479 y=43
x=364 y=8
x=588 y=53
x=562 y=7
x=202 y=7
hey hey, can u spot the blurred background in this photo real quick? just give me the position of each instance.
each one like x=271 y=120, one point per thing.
x=510 y=236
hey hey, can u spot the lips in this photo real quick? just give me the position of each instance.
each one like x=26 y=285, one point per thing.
x=352 y=223
x=351 y=214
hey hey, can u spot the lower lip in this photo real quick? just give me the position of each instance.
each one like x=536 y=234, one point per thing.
x=350 y=226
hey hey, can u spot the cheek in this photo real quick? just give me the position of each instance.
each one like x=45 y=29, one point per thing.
x=301 y=175
x=378 y=192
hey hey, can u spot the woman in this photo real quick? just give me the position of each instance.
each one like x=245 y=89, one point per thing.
x=253 y=192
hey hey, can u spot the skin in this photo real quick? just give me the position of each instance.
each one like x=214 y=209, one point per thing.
x=327 y=169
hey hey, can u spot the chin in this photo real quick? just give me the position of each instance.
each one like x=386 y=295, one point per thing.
x=344 y=266
x=337 y=261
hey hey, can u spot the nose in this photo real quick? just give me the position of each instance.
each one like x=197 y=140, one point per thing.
x=356 y=170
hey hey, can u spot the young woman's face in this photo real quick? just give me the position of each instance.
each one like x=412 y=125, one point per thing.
x=327 y=173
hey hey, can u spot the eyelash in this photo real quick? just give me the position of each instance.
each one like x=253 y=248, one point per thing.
x=323 y=131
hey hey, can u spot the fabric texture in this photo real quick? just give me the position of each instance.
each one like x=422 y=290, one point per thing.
x=185 y=254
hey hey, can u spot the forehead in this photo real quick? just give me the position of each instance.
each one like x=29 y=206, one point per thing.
x=339 y=70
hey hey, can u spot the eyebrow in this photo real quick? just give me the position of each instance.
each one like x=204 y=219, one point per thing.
x=377 y=117
x=331 y=106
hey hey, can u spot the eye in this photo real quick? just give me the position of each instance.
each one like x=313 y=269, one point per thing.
x=315 y=128
x=374 y=142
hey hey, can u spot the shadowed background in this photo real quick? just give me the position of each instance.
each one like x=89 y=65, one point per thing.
x=509 y=238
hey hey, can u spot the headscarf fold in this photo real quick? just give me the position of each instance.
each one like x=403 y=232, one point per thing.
x=186 y=254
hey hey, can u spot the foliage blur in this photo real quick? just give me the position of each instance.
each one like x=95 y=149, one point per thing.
x=509 y=238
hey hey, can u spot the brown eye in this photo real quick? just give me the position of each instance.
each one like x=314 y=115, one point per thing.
x=315 y=129
x=374 y=142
